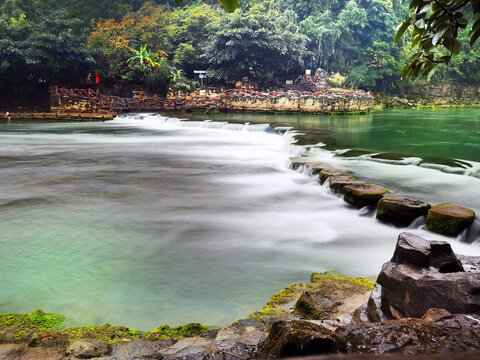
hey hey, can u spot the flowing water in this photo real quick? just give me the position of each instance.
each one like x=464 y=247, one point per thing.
x=147 y=220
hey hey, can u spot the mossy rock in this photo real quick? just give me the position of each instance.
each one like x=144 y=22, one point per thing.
x=330 y=283
x=179 y=332
x=337 y=183
x=401 y=210
x=326 y=173
x=362 y=195
x=21 y=327
x=449 y=219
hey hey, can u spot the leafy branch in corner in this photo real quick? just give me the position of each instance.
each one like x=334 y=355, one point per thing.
x=435 y=26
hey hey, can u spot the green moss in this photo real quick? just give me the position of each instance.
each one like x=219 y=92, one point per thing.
x=22 y=326
x=45 y=321
x=362 y=282
x=105 y=332
x=179 y=332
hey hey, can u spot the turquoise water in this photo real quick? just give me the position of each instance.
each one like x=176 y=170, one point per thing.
x=147 y=220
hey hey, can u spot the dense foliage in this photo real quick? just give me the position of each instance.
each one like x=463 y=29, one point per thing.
x=159 y=43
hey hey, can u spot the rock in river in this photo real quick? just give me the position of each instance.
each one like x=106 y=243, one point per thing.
x=337 y=183
x=326 y=173
x=401 y=210
x=449 y=219
x=423 y=275
x=362 y=195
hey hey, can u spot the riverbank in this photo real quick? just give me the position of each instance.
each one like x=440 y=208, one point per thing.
x=332 y=314
x=55 y=116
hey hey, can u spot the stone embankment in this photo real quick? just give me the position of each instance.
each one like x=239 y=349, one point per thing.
x=445 y=219
x=426 y=301
x=55 y=117
x=88 y=100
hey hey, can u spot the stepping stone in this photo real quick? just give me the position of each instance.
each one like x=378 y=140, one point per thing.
x=401 y=210
x=362 y=195
x=316 y=167
x=298 y=161
x=449 y=219
x=337 y=183
x=326 y=173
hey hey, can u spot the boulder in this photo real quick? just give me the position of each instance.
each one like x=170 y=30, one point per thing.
x=423 y=275
x=401 y=210
x=300 y=338
x=88 y=348
x=437 y=332
x=326 y=173
x=362 y=195
x=337 y=183
x=449 y=219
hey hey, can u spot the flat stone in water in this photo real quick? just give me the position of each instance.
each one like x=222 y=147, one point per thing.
x=337 y=183
x=401 y=210
x=326 y=173
x=362 y=195
x=449 y=219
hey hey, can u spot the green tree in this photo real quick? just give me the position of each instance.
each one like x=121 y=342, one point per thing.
x=260 y=43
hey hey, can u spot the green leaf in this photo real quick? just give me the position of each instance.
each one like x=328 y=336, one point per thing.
x=401 y=30
x=474 y=36
x=229 y=5
x=437 y=36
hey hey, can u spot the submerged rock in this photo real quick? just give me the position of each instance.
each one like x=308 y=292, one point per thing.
x=449 y=219
x=401 y=210
x=300 y=338
x=362 y=195
x=424 y=275
x=337 y=183
x=326 y=173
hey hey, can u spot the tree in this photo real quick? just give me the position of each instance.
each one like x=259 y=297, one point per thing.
x=259 y=43
x=435 y=27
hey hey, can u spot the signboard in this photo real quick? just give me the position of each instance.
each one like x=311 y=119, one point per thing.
x=289 y=82
x=199 y=71
x=202 y=76
x=308 y=72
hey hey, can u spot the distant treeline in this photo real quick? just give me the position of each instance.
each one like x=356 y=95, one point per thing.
x=157 y=44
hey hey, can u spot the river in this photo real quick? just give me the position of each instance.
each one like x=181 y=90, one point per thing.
x=147 y=220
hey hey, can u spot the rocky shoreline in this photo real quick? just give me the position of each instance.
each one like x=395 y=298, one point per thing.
x=426 y=301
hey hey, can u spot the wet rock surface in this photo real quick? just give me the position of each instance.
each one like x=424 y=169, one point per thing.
x=401 y=210
x=326 y=173
x=424 y=275
x=337 y=183
x=362 y=195
x=300 y=338
x=449 y=219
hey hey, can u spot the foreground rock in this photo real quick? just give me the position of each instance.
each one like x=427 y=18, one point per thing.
x=449 y=219
x=362 y=195
x=423 y=275
x=88 y=348
x=437 y=332
x=401 y=210
x=300 y=338
x=337 y=183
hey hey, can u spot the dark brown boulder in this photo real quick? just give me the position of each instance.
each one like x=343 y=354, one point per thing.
x=326 y=173
x=411 y=249
x=300 y=338
x=423 y=275
x=437 y=332
x=337 y=183
x=401 y=210
x=449 y=219
x=362 y=195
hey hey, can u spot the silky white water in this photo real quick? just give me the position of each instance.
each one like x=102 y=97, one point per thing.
x=146 y=220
